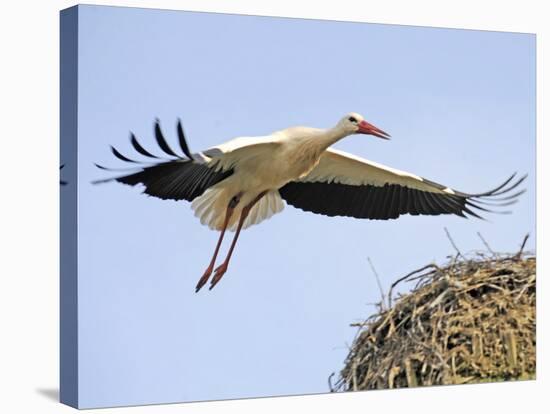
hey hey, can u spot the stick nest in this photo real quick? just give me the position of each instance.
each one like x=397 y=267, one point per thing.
x=472 y=320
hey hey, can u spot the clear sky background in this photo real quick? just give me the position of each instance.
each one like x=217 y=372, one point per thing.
x=460 y=106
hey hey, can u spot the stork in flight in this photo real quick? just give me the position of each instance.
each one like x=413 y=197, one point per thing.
x=244 y=181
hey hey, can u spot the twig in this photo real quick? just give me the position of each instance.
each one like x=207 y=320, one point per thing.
x=383 y=301
x=518 y=254
x=486 y=244
x=431 y=265
x=330 y=387
x=452 y=242
x=354 y=375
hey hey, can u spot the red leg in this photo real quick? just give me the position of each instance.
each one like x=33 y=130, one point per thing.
x=208 y=271
x=220 y=270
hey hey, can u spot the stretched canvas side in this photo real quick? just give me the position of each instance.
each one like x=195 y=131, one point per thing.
x=68 y=376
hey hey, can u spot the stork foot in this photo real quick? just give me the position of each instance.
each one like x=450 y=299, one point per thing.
x=218 y=274
x=204 y=278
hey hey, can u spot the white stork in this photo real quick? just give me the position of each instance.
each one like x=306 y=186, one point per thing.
x=244 y=181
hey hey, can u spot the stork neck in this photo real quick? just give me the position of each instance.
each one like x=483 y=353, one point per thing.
x=332 y=136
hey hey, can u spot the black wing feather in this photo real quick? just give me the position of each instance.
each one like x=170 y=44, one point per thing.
x=120 y=156
x=183 y=142
x=168 y=179
x=137 y=146
x=391 y=200
x=162 y=141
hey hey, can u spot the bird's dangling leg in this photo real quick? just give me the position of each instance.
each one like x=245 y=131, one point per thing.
x=228 y=213
x=220 y=270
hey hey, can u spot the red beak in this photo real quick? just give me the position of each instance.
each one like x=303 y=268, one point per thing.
x=366 y=128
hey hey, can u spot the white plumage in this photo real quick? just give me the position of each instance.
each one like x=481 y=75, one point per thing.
x=208 y=206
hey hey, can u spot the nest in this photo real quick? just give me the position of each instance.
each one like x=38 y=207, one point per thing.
x=472 y=320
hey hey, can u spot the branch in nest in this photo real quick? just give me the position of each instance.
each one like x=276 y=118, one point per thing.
x=429 y=266
x=518 y=254
x=452 y=242
x=486 y=244
x=382 y=294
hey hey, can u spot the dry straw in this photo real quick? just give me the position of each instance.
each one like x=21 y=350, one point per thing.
x=472 y=320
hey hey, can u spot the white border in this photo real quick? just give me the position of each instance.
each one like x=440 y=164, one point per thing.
x=29 y=219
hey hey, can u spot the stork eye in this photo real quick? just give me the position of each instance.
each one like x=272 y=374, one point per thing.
x=352 y=119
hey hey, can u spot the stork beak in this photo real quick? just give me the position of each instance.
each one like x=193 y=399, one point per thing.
x=369 y=129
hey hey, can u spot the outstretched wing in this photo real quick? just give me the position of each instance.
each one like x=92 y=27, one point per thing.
x=175 y=177
x=345 y=185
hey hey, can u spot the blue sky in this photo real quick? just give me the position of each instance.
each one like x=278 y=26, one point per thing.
x=460 y=106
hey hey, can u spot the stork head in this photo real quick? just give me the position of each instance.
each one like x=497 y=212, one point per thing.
x=354 y=123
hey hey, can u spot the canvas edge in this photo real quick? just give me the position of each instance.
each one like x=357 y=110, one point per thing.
x=68 y=286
